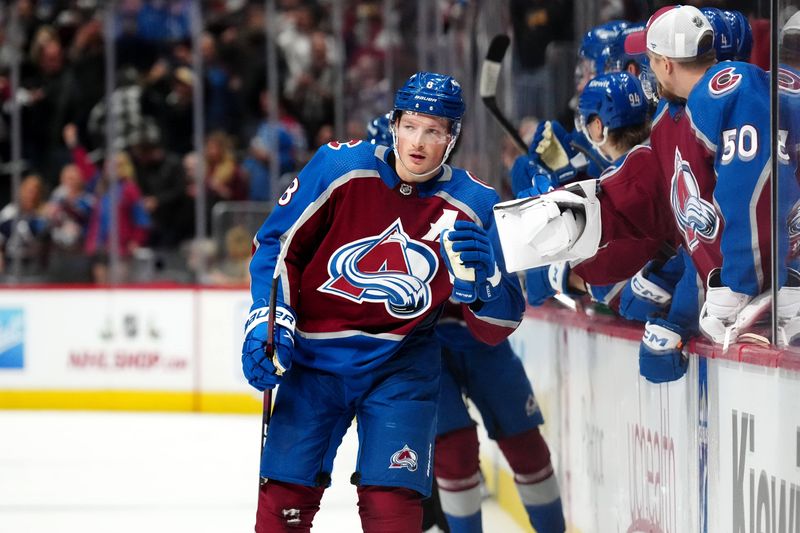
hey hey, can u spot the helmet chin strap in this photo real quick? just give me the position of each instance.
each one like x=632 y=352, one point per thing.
x=450 y=146
x=598 y=144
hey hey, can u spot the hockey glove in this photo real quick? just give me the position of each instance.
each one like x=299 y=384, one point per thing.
x=645 y=293
x=528 y=178
x=660 y=355
x=552 y=144
x=789 y=310
x=545 y=282
x=262 y=370
x=727 y=313
x=470 y=260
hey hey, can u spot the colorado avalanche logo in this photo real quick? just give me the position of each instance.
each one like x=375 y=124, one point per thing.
x=793 y=226
x=724 y=81
x=788 y=81
x=390 y=268
x=404 y=458
x=697 y=219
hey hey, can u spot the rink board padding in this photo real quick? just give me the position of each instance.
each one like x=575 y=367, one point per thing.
x=718 y=450
x=131 y=348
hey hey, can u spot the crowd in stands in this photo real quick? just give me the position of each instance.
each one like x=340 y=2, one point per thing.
x=57 y=229
x=63 y=202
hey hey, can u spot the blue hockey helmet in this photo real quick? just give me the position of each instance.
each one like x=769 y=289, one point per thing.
x=378 y=131
x=724 y=40
x=599 y=45
x=433 y=94
x=742 y=34
x=617 y=58
x=429 y=93
x=617 y=98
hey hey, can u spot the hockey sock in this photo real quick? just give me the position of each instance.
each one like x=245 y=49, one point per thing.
x=529 y=458
x=458 y=476
x=286 y=506
x=389 y=509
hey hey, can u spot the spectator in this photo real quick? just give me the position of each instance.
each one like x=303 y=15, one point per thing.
x=85 y=74
x=172 y=105
x=222 y=89
x=535 y=23
x=233 y=266
x=126 y=103
x=160 y=177
x=257 y=166
x=24 y=238
x=43 y=95
x=368 y=90
x=310 y=90
x=223 y=178
x=68 y=212
x=294 y=38
x=133 y=222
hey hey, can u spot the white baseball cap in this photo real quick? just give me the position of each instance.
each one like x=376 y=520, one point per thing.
x=792 y=25
x=674 y=32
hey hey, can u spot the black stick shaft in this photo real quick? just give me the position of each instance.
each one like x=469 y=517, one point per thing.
x=490 y=75
x=266 y=410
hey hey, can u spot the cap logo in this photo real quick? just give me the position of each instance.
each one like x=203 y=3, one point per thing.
x=697 y=21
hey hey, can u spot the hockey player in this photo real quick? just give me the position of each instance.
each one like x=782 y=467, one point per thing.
x=508 y=408
x=613 y=114
x=742 y=34
x=511 y=416
x=354 y=243
x=724 y=41
x=713 y=151
x=567 y=156
x=494 y=379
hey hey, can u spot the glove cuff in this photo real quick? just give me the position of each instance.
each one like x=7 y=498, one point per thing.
x=284 y=317
x=659 y=338
x=648 y=290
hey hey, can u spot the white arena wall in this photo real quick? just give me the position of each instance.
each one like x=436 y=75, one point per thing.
x=717 y=451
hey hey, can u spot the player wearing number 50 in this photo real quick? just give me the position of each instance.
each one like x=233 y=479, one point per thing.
x=355 y=241
x=710 y=138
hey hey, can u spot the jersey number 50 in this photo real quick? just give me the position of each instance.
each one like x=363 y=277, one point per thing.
x=742 y=141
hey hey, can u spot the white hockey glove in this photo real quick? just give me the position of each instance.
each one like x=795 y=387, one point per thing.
x=726 y=314
x=562 y=225
x=789 y=310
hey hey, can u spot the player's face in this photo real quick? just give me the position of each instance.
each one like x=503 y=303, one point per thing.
x=421 y=144
x=664 y=74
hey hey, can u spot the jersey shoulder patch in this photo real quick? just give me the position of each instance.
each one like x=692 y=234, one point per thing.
x=724 y=81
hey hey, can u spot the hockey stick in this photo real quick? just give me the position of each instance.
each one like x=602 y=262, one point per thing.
x=490 y=75
x=269 y=350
